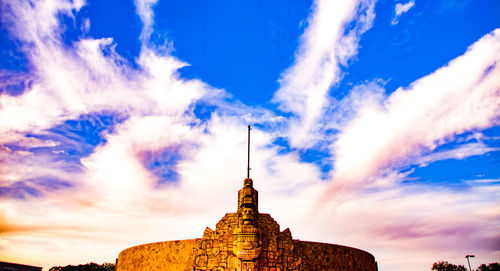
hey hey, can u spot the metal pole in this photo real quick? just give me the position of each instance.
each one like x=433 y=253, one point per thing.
x=248 y=161
x=469 y=256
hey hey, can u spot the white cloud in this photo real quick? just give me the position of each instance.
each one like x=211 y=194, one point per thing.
x=400 y=9
x=461 y=152
x=145 y=11
x=324 y=47
x=430 y=112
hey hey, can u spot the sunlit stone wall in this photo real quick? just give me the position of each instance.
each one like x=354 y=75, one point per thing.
x=180 y=256
x=321 y=256
x=169 y=255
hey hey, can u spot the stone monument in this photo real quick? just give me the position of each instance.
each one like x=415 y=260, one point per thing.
x=244 y=241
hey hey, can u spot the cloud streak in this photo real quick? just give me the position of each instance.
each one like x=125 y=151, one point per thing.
x=415 y=120
x=145 y=11
x=326 y=44
x=400 y=9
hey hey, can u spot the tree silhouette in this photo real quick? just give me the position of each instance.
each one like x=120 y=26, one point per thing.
x=85 y=267
x=446 y=266
x=489 y=267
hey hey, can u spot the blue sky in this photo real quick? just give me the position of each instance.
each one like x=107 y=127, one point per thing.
x=131 y=107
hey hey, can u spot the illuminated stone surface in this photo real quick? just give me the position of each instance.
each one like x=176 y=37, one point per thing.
x=243 y=241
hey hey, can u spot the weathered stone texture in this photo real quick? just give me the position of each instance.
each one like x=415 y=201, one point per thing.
x=165 y=256
x=321 y=256
x=245 y=241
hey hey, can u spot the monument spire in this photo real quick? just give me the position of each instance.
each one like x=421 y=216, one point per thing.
x=248 y=198
x=248 y=161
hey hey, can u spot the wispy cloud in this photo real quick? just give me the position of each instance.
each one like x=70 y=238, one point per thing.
x=145 y=11
x=417 y=119
x=325 y=45
x=400 y=9
x=14 y=83
x=460 y=152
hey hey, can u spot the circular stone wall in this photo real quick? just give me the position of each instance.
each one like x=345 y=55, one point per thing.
x=168 y=255
x=179 y=256
x=322 y=256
